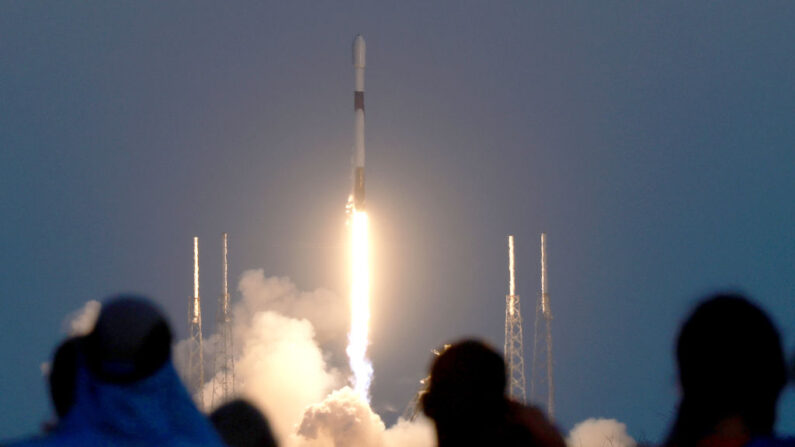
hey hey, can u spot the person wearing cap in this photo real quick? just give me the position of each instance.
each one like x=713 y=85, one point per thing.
x=126 y=390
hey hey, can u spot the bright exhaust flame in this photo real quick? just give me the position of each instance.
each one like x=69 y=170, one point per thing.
x=360 y=305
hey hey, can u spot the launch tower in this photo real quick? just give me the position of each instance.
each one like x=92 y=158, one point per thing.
x=514 y=349
x=542 y=387
x=195 y=368
x=224 y=385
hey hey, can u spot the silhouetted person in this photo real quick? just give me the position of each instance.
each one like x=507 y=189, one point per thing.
x=242 y=425
x=731 y=372
x=126 y=391
x=62 y=376
x=466 y=400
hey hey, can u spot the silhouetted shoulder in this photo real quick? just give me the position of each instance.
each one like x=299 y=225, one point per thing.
x=241 y=424
x=772 y=442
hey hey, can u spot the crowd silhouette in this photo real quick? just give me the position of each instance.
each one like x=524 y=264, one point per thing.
x=117 y=386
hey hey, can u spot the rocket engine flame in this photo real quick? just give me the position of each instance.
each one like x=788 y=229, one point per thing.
x=360 y=365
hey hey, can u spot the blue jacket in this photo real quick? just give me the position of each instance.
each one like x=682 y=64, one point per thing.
x=155 y=411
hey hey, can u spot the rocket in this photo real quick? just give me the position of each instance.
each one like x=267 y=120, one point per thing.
x=358 y=110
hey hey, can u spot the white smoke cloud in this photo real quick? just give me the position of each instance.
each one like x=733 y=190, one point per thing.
x=600 y=433
x=281 y=367
x=327 y=312
x=342 y=419
x=345 y=419
x=81 y=321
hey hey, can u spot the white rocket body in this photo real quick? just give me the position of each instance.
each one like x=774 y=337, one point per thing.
x=358 y=107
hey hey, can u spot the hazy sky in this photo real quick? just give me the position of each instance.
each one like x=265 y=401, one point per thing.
x=652 y=141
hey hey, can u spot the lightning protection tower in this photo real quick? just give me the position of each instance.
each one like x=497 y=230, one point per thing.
x=224 y=383
x=195 y=367
x=514 y=348
x=542 y=387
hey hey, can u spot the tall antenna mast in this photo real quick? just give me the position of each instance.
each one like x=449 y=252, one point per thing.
x=224 y=385
x=514 y=349
x=195 y=368
x=542 y=349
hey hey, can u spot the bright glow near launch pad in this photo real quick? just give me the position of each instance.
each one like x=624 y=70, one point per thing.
x=360 y=304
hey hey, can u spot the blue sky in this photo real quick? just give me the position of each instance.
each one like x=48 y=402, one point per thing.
x=653 y=142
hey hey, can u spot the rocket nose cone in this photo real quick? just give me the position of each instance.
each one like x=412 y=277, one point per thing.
x=358 y=51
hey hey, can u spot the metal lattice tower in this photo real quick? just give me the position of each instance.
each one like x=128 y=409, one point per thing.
x=514 y=348
x=542 y=387
x=195 y=367
x=224 y=383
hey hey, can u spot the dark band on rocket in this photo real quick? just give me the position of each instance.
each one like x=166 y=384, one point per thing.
x=358 y=100
x=358 y=186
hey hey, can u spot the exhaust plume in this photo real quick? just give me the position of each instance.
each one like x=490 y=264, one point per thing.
x=360 y=306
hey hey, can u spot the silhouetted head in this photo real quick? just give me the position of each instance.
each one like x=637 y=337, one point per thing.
x=63 y=373
x=730 y=365
x=130 y=341
x=467 y=381
x=240 y=424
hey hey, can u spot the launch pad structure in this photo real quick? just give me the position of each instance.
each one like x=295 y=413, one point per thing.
x=542 y=386
x=194 y=370
x=514 y=346
x=224 y=383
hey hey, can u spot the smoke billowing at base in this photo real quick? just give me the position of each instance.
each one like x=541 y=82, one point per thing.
x=290 y=362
